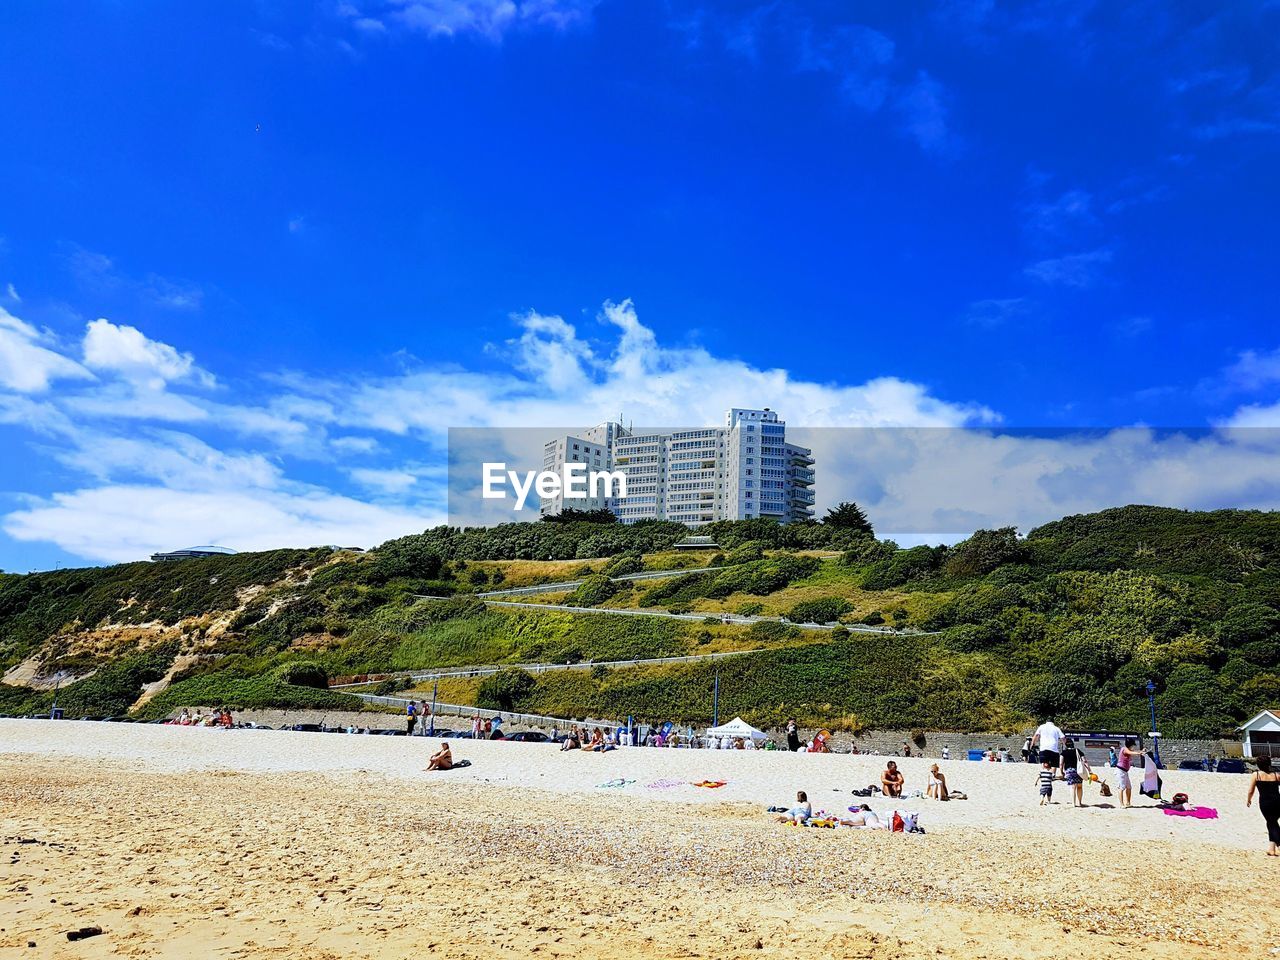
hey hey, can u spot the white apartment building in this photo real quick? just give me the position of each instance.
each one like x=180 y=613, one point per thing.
x=742 y=470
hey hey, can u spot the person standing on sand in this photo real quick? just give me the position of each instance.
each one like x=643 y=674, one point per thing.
x=1048 y=740
x=475 y=727
x=1266 y=783
x=411 y=718
x=793 y=736
x=1124 y=760
x=1026 y=750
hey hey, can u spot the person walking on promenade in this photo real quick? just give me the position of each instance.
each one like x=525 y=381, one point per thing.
x=1266 y=784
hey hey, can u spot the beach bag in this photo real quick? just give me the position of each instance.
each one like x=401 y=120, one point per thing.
x=1106 y=791
x=1181 y=798
x=899 y=825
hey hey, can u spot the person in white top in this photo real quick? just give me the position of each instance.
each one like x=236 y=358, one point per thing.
x=1048 y=737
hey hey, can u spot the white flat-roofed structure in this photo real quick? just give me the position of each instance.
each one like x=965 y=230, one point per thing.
x=742 y=470
x=193 y=553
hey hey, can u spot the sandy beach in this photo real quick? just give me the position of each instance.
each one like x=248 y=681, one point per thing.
x=181 y=842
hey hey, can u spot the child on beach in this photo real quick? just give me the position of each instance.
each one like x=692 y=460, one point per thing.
x=800 y=813
x=1045 y=779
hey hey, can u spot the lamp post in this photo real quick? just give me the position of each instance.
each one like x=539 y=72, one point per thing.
x=1155 y=734
x=435 y=689
x=53 y=710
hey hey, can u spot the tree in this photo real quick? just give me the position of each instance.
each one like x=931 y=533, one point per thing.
x=983 y=552
x=572 y=515
x=502 y=690
x=848 y=516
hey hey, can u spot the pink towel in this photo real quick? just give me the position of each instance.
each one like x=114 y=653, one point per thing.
x=1200 y=813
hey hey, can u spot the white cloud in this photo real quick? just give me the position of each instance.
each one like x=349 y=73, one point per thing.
x=1061 y=216
x=491 y=19
x=12 y=292
x=1078 y=270
x=384 y=481
x=118 y=523
x=139 y=486
x=923 y=107
x=996 y=313
x=1253 y=370
x=1254 y=415
x=127 y=351
x=28 y=362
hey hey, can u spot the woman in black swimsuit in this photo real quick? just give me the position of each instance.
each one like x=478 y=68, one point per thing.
x=1266 y=783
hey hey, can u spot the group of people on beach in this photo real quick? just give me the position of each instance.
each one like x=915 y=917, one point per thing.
x=217 y=718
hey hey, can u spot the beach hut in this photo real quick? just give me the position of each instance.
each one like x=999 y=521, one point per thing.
x=737 y=727
x=1262 y=734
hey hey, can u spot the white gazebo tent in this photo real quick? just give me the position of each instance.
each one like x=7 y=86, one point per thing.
x=1262 y=734
x=737 y=727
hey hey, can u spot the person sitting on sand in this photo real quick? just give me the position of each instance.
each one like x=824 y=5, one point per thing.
x=597 y=741
x=937 y=788
x=800 y=813
x=442 y=759
x=570 y=742
x=891 y=780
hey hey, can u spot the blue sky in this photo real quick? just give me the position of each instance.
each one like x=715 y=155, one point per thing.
x=255 y=256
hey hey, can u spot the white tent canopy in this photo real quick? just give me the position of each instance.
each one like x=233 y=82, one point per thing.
x=737 y=727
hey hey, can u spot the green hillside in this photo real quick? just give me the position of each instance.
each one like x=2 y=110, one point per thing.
x=1071 y=620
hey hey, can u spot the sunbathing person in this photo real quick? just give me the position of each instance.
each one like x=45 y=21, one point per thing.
x=597 y=741
x=891 y=780
x=863 y=817
x=800 y=813
x=937 y=788
x=442 y=759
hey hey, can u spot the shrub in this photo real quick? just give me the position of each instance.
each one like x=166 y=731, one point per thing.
x=593 y=591
x=744 y=553
x=622 y=565
x=502 y=690
x=825 y=610
x=304 y=673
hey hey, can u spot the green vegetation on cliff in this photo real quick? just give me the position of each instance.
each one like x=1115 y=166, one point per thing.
x=1070 y=621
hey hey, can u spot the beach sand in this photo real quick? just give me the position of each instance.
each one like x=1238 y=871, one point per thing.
x=183 y=842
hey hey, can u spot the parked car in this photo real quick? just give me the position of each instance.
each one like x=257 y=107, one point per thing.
x=529 y=736
x=1192 y=765
x=1230 y=765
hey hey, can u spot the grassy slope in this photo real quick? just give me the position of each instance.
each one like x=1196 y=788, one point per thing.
x=1070 y=621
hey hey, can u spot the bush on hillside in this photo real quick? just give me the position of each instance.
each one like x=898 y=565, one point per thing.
x=504 y=689
x=825 y=610
x=592 y=592
x=304 y=673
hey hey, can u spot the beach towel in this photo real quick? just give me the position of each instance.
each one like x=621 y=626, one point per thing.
x=1199 y=813
x=664 y=784
x=1150 y=778
x=711 y=784
x=619 y=782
